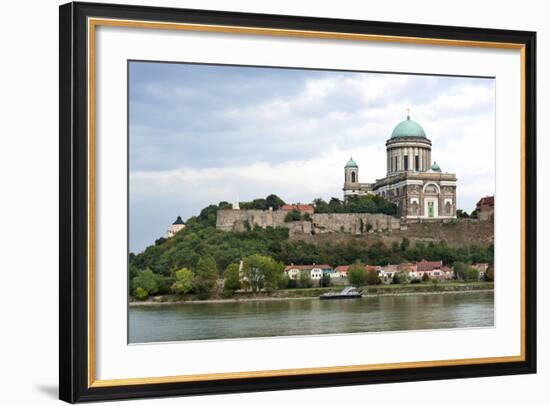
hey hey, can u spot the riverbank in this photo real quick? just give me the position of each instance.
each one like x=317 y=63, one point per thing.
x=301 y=294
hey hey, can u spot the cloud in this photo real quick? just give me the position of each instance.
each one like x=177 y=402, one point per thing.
x=204 y=134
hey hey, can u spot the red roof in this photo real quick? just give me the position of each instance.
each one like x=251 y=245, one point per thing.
x=486 y=201
x=306 y=267
x=302 y=208
x=372 y=268
x=345 y=268
x=428 y=265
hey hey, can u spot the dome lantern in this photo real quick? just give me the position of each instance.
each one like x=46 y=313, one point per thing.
x=351 y=163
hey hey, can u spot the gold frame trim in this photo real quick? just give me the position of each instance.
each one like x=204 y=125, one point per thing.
x=94 y=22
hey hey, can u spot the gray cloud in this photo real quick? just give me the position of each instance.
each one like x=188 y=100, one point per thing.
x=200 y=134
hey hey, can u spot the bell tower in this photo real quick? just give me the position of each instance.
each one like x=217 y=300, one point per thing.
x=351 y=174
x=351 y=178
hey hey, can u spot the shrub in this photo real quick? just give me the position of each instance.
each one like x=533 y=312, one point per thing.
x=183 y=281
x=425 y=277
x=140 y=293
x=304 y=280
x=400 y=278
x=471 y=275
x=325 y=280
x=373 y=278
x=356 y=274
x=204 y=280
x=231 y=279
x=146 y=280
x=293 y=215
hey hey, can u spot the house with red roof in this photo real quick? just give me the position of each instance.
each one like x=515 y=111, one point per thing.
x=342 y=270
x=434 y=269
x=486 y=208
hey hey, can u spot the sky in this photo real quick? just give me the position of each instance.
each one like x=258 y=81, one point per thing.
x=201 y=134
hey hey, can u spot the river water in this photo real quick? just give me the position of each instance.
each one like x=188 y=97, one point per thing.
x=201 y=321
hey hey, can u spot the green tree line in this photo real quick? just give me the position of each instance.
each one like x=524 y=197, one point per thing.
x=158 y=265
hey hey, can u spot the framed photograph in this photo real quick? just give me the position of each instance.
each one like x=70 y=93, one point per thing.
x=259 y=202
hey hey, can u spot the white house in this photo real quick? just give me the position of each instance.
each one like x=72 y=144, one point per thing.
x=315 y=271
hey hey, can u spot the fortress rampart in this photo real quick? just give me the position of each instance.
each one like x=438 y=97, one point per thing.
x=321 y=223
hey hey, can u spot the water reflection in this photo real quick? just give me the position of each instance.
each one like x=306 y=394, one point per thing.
x=312 y=316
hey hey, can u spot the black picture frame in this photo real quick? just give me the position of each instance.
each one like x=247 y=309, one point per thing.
x=73 y=283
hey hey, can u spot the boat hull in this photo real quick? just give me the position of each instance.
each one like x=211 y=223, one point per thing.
x=339 y=297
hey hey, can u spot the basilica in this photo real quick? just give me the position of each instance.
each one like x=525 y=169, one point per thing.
x=419 y=188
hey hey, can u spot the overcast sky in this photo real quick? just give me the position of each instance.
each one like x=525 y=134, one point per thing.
x=202 y=134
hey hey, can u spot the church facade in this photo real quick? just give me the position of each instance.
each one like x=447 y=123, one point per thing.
x=419 y=188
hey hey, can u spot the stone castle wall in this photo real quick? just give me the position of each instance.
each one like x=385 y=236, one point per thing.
x=322 y=223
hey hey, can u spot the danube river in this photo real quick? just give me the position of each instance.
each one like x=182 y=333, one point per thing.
x=202 y=321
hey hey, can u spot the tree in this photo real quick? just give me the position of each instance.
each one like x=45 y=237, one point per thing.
x=405 y=243
x=356 y=274
x=140 y=293
x=183 y=281
x=147 y=281
x=395 y=247
x=325 y=280
x=231 y=278
x=461 y=214
x=205 y=277
x=262 y=272
x=460 y=270
x=372 y=277
x=320 y=206
x=304 y=280
x=274 y=201
x=425 y=277
x=471 y=274
x=293 y=215
x=473 y=214
x=284 y=283
x=400 y=278
x=208 y=215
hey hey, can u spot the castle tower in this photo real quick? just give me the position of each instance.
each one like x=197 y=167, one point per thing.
x=408 y=149
x=174 y=228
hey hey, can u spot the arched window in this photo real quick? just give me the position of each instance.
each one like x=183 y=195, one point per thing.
x=353 y=177
x=415 y=208
x=430 y=189
x=448 y=208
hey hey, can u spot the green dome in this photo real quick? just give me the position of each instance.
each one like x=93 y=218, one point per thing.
x=408 y=128
x=435 y=167
x=351 y=164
